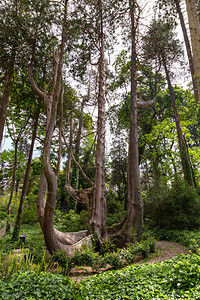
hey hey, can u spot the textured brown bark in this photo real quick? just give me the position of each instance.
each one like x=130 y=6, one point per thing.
x=98 y=207
x=6 y=94
x=194 y=26
x=181 y=141
x=17 y=226
x=189 y=51
x=134 y=214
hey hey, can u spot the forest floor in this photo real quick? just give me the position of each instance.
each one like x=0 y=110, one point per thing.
x=164 y=250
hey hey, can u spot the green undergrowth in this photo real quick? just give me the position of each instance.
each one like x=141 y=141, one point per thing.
x=116 y=258
x=32 y=286
x=177 y=278
x=34 y=242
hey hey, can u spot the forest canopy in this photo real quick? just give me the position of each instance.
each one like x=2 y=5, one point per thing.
x=100 y=102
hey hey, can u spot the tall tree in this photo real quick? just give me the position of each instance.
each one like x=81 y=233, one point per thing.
x=98 y=209
x=194 y=25
x=160 y=44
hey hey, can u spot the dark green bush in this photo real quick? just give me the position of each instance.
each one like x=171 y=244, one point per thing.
x=127 y=255
x=106 y=247
x=83 y=256
x=175 y=207
x=62 y=259
x=113 y=259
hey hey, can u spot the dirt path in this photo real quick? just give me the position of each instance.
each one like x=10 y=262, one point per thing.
x=164 y=250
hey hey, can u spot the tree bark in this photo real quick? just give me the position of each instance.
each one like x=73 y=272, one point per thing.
x=98 y=208
x=194 y=26
x=6 y=95
x=189 y=52
x=134 y=214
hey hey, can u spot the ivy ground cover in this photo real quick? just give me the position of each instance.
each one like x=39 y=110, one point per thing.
x=177 y=278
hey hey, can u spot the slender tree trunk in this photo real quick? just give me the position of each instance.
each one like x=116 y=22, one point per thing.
x=182 y=145
x=13 y=177
x=189 y=52
x=194 y=25
x=6 y=94
x=98 y=209
x=16 y=230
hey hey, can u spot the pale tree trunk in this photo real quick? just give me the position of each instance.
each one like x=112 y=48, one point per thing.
x=16 y=230
x=194 y=26
x=134 y=214
x=98 y=208
x=187 y=170
x=189 y=52
x=6 y=94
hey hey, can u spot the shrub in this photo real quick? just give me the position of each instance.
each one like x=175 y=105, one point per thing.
x=106 y=247
x=127 y=255
x=175 y=207
x=83 y=256
x=99 y=262
x=113 y=259
x=62 y=259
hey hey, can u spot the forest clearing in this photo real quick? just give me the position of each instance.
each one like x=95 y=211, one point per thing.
x=99 y=149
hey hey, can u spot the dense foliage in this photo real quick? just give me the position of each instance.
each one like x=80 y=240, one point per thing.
x=176 y=278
